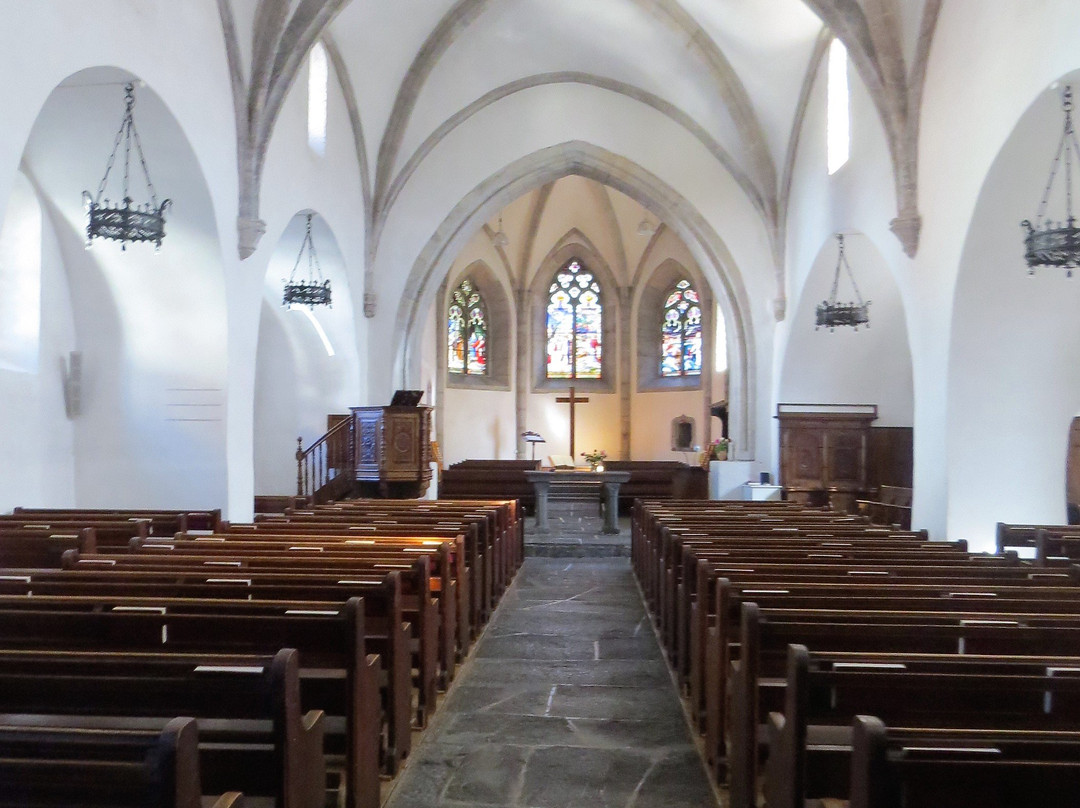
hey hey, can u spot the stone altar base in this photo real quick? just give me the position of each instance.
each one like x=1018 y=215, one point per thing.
x=575 y=533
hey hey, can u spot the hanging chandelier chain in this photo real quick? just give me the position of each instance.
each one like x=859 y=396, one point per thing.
x=112 y=158
x=314 y=267
x=1068 y=137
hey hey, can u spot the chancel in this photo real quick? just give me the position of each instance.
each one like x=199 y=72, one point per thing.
x=603 y=223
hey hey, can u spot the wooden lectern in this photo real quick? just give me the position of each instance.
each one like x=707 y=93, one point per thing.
x=393 y=450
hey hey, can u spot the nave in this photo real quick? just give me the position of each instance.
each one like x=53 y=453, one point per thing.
x=566 y=701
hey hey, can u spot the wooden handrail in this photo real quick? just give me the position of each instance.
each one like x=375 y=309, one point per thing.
x=327 y=468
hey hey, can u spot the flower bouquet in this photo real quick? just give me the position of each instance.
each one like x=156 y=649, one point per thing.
x=595 y=458
x=719 y=448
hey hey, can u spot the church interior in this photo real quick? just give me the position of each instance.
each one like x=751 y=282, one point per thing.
x=657 y=208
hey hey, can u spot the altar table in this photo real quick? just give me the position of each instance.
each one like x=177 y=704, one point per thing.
x=610 y=480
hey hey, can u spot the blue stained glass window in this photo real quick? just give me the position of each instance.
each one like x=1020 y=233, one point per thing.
x=680 y=333
x=467 y=331
x=574 y=324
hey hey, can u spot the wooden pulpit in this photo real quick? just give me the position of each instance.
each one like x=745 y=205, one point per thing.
x=392 y=451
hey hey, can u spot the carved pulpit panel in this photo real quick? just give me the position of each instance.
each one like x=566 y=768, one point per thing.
x=393 y=449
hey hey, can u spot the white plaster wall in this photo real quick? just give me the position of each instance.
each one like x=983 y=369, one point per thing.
x=36 y=438
x=860 y=198
x=974 y=96
x=846 y=366
x=1014 y=359
x=650 y=424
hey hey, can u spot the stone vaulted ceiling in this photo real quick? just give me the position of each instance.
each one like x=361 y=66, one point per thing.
x=736 y=74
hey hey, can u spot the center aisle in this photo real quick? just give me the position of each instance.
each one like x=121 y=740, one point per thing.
x=566 y=701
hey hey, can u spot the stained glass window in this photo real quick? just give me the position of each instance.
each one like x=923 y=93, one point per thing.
x=574 y=324
x=680 y=335
x=466 y=331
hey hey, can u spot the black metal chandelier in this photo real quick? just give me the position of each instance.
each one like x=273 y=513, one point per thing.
x=122 y=222
x=1048 y=243
x=830 y=313
x=314 y=291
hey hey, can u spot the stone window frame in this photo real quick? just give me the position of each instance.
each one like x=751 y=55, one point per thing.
x=500 y=330
x=650 y=321
x=574 y=246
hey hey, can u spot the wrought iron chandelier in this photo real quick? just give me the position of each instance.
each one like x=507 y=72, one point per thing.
x=314 y=290
x=122 y=222
x=1048 y=243
x=832 y=314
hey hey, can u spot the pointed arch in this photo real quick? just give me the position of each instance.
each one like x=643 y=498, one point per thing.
x=588 y=160
x=652 y=302
x=498 y=335
x=574 y=246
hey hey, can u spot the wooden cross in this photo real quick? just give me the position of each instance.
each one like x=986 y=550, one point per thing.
x=572 y=400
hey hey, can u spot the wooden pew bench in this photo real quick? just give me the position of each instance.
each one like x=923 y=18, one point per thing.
x=115 y=766
x=756 y=678
x=253 y=736
x=448 y=576
x=336 y=673
x=35 y=547
x=973 y=769
x=383 y=596
x=161 y=521
x=414 y=579
x=809 y=744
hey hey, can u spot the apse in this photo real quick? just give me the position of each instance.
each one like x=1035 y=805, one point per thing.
x=1014 y=353
x=594 y=241
x=306 y=365
x=148 y=428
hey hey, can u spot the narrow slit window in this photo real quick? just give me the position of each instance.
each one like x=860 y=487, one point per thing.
x=838 y=127
x=318 y=78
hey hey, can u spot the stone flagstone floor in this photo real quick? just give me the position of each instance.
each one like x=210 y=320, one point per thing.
x=566 y=701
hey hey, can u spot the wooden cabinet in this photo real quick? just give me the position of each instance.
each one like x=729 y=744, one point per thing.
x=824 y=452
x=392 y=450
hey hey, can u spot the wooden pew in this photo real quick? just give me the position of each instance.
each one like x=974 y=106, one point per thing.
x=336 y=671
x=161 y=521
x=961 y=770
x=766 y=635
x=413 y=574
x=106 y=532
x=448 y=576
x=383 y=602
x=34 y=547
x=809 y=743
x=57 y=767
x=253 y=735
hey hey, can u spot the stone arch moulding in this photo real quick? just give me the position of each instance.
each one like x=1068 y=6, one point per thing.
x=594 y=162
x=500 y=323
x=649 y=308
x=574 y=244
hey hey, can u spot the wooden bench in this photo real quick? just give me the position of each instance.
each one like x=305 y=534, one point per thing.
x=928 y=769
x=161 y=521
x=253 y=735
x=366 y=575
x=892 y=506
x=337 y=675
x=766 y=635
x=809 y=742
x=57 y=767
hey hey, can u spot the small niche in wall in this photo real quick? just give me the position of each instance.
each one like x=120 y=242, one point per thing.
x=682 y=434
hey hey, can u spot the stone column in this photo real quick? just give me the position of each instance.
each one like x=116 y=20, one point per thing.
x=521 y=369
x=611 y=508
x=542 y=488
x=625 y=340
x=440 y=363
